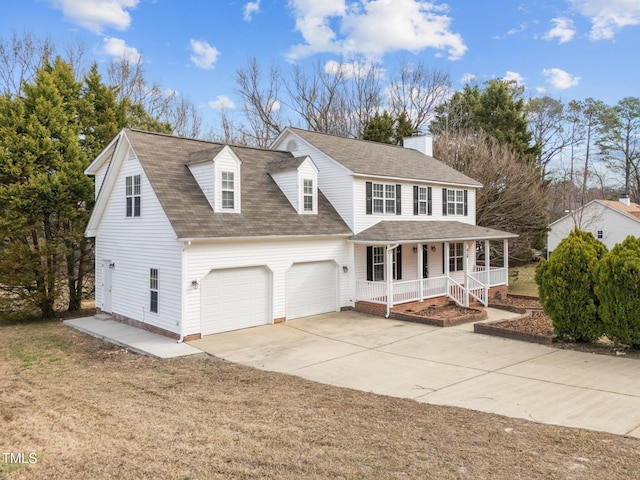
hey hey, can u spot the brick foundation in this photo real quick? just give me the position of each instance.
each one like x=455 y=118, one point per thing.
x=144 y=326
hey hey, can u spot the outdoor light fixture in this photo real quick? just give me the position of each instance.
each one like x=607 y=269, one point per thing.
x=415 y=249
x=345 y=269
x=194 y=284
x=433 y=248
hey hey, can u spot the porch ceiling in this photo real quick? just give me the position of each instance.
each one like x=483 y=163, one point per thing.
x=407 y=231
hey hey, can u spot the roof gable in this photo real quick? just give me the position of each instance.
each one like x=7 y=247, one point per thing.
x=378 y=159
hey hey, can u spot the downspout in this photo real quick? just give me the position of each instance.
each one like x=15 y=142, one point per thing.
x=183 y=292
x=390 y=249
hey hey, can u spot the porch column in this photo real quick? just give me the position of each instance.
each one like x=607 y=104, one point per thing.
x=389 y=273
x=445 y=267
x=420 y=272
x=506 y=260
x=487 y=268
x=465 y=268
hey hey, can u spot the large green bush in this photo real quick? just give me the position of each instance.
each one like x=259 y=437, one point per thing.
x=566 y=287
x=618 y=290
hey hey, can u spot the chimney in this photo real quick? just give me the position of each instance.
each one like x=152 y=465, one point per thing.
x=419 y=141
x=624 y=198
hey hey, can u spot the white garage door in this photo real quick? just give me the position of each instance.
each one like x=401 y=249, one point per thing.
x=235 y=298
x=311 y=289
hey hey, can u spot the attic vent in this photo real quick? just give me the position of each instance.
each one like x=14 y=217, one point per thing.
x=292 y=146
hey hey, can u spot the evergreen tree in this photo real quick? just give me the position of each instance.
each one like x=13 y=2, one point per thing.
x=499 y=110
x=566 y=283
x=386 y=129
x=43 y=185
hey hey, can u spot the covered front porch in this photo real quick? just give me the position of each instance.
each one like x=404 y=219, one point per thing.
x=400 y=262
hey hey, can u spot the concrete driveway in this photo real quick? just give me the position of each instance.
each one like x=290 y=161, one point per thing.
x=445 y=366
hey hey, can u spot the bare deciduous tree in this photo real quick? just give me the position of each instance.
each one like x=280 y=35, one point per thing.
x=418 y=90
x=260 y=103
x=513 y=197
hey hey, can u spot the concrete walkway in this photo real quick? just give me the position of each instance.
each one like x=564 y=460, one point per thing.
x=134 y=339
x=446 y=366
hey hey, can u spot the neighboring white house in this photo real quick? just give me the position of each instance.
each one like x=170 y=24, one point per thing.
x=194 y=238
x=610 y=221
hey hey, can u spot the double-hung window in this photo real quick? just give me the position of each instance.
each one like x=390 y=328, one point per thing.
x=384 y=198
x=153 y=288
x=378 y=264
x=456 y=257
x=133 y=194
x=228 y=190
x=422 y=200
x=307 y=195
x=455 y=202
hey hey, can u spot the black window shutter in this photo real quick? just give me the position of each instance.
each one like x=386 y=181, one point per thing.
x=429 y=207
x=398 y=201
x=415 y=200
x=443 y=260
x=370 y=264
x=466 y=204
x=369 y=198
x=399 y=262
x=444 y=202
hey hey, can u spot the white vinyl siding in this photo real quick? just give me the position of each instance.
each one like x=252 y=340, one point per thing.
x=292 y=184
x=136 y=247
x=277 y=256
x=334 y=180
x=364 y=221
x=203 y=173
x=594 y=217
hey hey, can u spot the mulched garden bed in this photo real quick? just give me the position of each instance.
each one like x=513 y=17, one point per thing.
x=441 y=316
x=535 y=326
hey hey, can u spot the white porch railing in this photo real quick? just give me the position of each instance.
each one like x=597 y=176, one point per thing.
x=477 y=289
x=375 y=292
x=496 y=275
x=477 y=286
x=456 y=292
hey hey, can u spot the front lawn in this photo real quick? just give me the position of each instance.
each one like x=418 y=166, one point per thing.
x=88 y=410
x=522 y=280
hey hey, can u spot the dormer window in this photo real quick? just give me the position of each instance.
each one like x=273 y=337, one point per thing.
x=308 y=195
x=228 y=190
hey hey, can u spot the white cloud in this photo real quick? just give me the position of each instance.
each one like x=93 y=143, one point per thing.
x=116 y=47
x=204 y=55
x=373 y=27
x=562 y=30
x=608 y=16
x=514 y=77
x=96 y=15
x=222 y=102
x=467 y=78
x=560 y=79
x=250 y=8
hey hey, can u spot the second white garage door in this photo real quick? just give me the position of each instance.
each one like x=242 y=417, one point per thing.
x=235 y=298
x=312 y=288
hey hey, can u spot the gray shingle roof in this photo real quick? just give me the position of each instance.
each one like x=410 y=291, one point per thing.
x=373 y=158
x=286 y=164
x=407 y=231
x=265 y=209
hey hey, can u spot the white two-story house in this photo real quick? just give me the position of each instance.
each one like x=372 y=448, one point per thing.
x=194 y=238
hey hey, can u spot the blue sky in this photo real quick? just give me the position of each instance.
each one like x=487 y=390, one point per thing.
x=569 y=49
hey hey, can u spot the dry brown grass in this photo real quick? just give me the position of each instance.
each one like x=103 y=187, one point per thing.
x=93 y=411
x=522 y=280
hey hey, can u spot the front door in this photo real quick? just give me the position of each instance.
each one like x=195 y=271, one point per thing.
x=106 y=285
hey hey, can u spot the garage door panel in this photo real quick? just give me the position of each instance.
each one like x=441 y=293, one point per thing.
x=311 y=289
x=235 y=298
